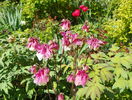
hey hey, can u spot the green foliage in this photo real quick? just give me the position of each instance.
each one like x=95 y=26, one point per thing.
x=15 y=80
x=43 y=8
x=38 y=9
x=10 y=17
x=44 y=30
x=109 y=73
x=119 y=27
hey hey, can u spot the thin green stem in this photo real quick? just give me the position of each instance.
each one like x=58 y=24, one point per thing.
x=49 y=93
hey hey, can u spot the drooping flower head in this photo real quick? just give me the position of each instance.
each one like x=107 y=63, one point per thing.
x=61 y=96
x=85 y=28
x=42 y=76
x=86 y=68
x=65 y=24
x=65 y=33
x=94 y=43
x=70 y=39
x=33 y=69
x=53 y=45
x=71 y=78
x=33 y=44
x=76 y=13
x=65 y=43
x=81 y=78
x=75 y=40
x=44 y=52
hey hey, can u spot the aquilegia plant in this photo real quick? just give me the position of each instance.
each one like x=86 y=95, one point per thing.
x=59 y=59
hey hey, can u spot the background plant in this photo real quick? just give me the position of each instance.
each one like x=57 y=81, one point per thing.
x=119 y=26
x=10 y=17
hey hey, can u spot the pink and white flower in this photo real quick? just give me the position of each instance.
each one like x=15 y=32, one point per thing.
x=86 y=68
x=65 y=25
x=85 y=28
x=81 y=78
x=33 y=44
x=42 y=76
x=94 y=43
x=44 y=52
x=66 y=33
x=70 y=39
x=33 y=69
x=61 y=96
x=71 y=78
x=65 y=43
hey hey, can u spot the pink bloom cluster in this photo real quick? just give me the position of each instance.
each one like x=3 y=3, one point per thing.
x=85 y=28
x=77 y=12
x=80 y=78
x=65 y=24
x=44 y=51
x=61 y=96
x=70 y=39
x=94 y=43
x=33 y=44
x=42 y=76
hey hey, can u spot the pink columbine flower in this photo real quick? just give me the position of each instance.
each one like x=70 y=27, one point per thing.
x=65 y=25
x=86 y=68
x=71 y=78
x=44 y=52
x=65 y=33
x=33 y=69
x=65 y=43
x=54 y=46
x=42 y=76
x=81 y=78
x=70 y=39
x=85 y=28
x=75 y=40
x=76 y=13
x=94 y=43
x=61 y=96
x=33 y=44
x=78 y=42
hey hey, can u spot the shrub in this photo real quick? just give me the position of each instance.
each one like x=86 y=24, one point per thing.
x=119 y=27
x=10 y=17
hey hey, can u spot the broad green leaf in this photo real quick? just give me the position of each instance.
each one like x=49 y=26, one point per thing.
x=125 y=63
x=95 y=56
x=81 y=92
x=121 y=84
x=114 y=48
x=130 y=83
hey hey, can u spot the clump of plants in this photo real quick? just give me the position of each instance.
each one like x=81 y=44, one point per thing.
x=64 y=62
x=119 y=26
